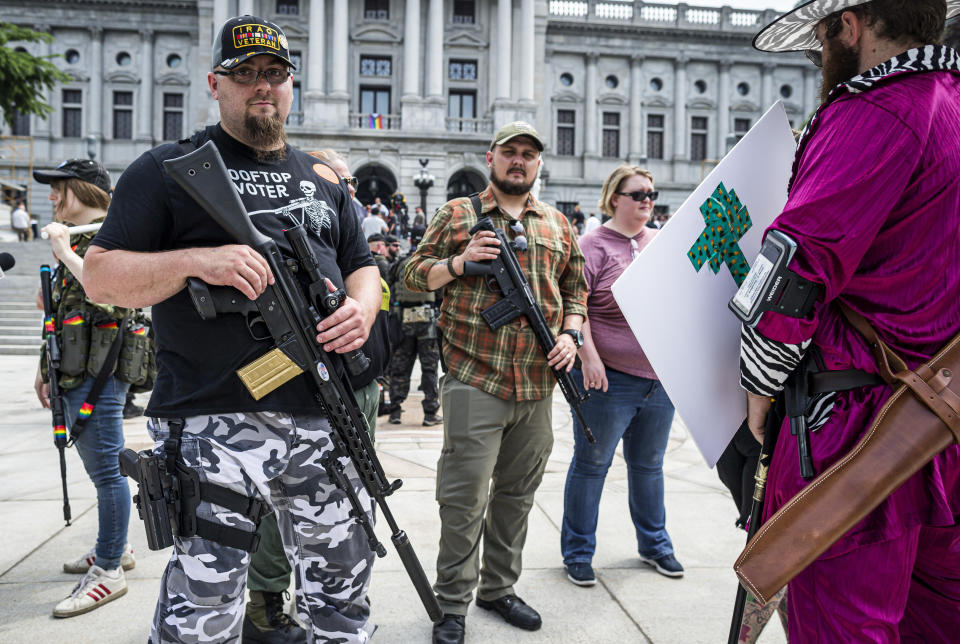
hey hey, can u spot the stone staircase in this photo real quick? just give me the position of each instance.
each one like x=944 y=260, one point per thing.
x=20 y=320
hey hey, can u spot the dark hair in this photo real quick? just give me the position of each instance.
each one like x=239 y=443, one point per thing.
x=896 y=20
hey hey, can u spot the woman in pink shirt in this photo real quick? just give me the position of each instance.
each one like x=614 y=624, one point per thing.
x=626 y=398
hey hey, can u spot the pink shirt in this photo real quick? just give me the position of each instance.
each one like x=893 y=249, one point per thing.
x=608 y=254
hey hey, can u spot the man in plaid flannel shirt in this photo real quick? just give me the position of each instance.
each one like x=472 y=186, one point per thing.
x=497 y=392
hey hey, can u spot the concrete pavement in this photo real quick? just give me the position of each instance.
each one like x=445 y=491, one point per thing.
x=631 y=602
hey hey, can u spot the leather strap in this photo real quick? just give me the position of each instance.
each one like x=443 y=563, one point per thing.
x=881 y=352
x=930 y=388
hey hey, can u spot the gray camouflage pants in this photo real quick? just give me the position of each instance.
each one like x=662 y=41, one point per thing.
x=276 y=457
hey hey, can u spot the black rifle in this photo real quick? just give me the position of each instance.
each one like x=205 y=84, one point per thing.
x=505 y=275
x=772 y=431
x=53 y=367
x=292 y=321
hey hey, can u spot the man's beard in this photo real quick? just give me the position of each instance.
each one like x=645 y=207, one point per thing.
x=266 y=132
x=842 y=64
x=508 y=188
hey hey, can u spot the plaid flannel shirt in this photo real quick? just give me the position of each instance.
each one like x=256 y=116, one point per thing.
x=508 y=363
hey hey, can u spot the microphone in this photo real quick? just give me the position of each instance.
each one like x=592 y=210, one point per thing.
x=6 y=262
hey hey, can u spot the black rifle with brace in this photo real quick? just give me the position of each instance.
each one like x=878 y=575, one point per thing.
x=292 y=319
x=53 y=369
x=505 y=275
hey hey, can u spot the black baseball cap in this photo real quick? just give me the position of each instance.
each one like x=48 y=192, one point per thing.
x=390 y=239
x=376 y=237
x=244 y=37
x=83 y=169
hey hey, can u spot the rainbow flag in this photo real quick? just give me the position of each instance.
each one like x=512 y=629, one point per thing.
x=107 y=325
x=75 y=320
x=140 y=331
x=59 y=433
x=85 y=411
x=376 y=122
x=48 y=324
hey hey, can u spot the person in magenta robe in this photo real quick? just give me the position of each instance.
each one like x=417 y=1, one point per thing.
x=874 y=209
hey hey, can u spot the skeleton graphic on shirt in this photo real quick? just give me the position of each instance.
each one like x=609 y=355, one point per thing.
x=315 y=214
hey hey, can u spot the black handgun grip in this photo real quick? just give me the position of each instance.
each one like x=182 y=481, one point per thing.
x=798 y=426
x=129 y=464
x=416 y=574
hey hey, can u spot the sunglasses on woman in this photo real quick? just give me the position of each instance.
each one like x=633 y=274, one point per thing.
x=640 y=195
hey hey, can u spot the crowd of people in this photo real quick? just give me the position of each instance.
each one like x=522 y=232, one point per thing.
x=886 y=135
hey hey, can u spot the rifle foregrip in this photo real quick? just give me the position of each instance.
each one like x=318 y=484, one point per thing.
x=204 y=177
x=416 y=574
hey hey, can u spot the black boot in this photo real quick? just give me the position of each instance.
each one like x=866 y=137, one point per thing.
x=266 y=623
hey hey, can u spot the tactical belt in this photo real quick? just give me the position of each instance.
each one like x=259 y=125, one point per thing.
x=192 y=491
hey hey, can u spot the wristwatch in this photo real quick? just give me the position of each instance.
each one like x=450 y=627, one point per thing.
x=576 y=335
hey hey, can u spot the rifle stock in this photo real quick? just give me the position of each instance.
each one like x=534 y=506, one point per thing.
x=292 y=322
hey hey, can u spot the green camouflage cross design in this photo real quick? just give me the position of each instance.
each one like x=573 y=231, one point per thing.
x=727 y=221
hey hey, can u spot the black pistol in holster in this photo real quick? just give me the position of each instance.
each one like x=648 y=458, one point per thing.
x=505 y=276
x=169 y=492
x=291 y=317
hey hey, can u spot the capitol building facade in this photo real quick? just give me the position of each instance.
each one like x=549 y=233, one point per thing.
x=394 y=84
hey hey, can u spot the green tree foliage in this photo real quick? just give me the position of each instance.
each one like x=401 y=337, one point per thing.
x=23 y=77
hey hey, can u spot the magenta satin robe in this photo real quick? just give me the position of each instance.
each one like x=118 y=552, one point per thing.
x=875 y=211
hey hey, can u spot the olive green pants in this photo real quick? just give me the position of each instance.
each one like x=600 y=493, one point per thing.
x=269 y=570
x=493 y=458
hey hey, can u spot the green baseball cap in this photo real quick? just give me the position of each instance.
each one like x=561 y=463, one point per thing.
x=517 y=128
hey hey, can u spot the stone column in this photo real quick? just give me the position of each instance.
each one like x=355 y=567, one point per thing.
x=411 y=49
x=220 y=16
x=723 y=107
x=313 y=108
x=435 y=49
x=504 y=44
x=245 y=7
x=316 y=42
x=680 y=108
x=636 y=109
x=41 y=126
x=339 y=59
x=94 y=102
x=591 y=134
x=766 y=86
x=145 y=120
x=527 y=53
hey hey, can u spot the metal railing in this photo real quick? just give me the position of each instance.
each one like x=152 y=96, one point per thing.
x=368 y=121
x=480 y=126
x=658 y=14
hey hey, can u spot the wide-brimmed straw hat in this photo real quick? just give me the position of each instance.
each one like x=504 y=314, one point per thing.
x=796 y=30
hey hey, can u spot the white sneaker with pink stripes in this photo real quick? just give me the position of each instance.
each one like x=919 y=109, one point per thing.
x=95 y=589
x=82 y=565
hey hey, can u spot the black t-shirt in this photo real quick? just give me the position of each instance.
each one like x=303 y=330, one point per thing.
x=149 y=212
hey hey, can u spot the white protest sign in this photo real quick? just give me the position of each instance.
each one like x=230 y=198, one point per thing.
x=681 y=318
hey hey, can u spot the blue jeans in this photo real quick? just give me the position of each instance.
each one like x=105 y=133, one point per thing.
x=638 y=410
x=99 y=446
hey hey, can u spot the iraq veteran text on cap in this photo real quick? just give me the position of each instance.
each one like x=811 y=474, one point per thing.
x=517 y=128
x=244 y=37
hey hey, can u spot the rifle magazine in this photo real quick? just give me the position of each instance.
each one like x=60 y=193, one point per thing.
x=268 y=372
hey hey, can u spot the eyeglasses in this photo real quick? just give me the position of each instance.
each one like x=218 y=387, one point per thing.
x=352 y=182
x=397 y=245
x=519 y=240
x=640 y=195
x=249 y=76
x=815 y=56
